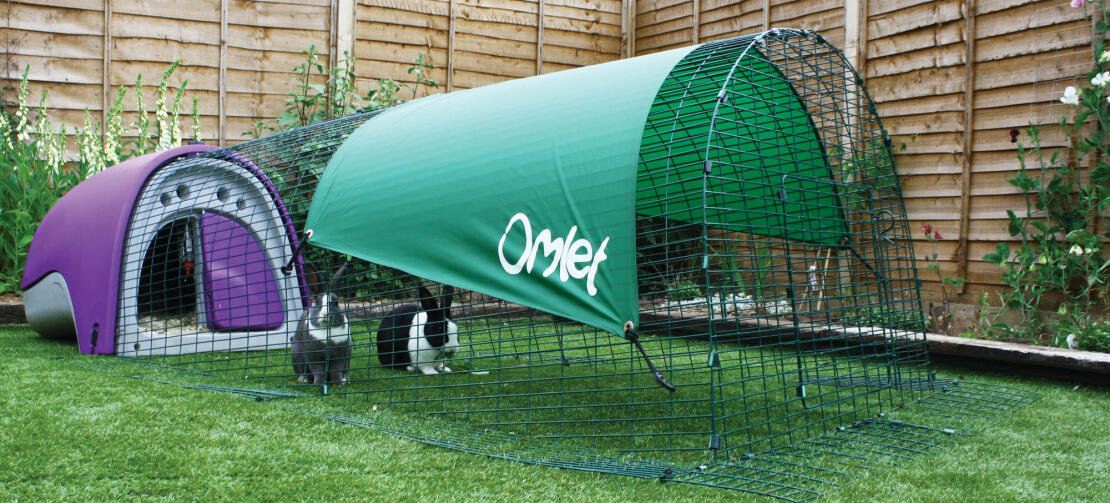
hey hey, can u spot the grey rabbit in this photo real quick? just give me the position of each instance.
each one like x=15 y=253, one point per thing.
x=322 y=343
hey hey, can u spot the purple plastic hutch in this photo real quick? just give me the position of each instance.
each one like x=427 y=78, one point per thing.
x=76 y=281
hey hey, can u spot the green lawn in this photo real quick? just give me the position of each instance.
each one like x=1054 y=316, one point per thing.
x=72 y=434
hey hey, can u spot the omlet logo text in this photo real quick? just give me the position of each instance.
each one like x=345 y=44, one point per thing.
x=570 y=253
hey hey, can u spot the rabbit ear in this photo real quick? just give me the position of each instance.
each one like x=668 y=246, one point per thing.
x=448 y=296
x=427 y=301
x=335 y=277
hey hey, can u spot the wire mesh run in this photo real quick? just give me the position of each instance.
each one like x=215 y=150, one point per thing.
x=776 y=285
x=801 y=471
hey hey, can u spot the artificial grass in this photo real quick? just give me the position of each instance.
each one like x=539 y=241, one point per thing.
x=74 y=434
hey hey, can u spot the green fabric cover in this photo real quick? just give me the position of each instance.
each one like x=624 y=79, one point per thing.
x=432 y=186
x=441 y=187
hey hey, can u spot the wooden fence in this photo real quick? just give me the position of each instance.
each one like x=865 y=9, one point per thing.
x=953 y=79
x=239 y=55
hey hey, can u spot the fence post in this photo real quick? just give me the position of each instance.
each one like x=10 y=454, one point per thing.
x=539 y=38
x=450 y=45
x=223 y=72
x=343 y=30
x=697 y=21
x=106 y=84
x=855 y=32
x=628 y=28
x=968 y=146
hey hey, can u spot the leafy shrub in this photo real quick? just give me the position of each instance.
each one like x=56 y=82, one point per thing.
x=680 y=290
x=34 y=170
x=939 y=317
x=1061 y=249
x=311 y=101
x=319 y=94
x=1096 y=339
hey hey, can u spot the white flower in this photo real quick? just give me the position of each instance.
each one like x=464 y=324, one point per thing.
x=1072 y=343
x=4 y=127
x=1071 y=96
x=1075 y=250
x=1104 y=57
x=1090 y=250
x=21 y=113
x=1101 y=79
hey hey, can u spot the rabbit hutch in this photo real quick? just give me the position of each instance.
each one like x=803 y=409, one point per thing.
x=169 y=260
x=684 y=259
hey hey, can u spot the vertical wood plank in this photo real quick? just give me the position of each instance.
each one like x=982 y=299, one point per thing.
x=345 y=29
x=766 y=15
x=624 y=29
x=223 y=72
x=539 y=38
x=968 y=150
x=106 y=80
x=628 y=28
x=450 y=45
x=852 y=31
x=862 y=38
x=333 y=34
x=697 y=21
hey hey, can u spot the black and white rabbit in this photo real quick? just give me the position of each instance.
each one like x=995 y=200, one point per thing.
x=413 y=337
x=322 y=343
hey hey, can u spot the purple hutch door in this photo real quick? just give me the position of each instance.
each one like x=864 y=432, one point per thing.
x=240 y=292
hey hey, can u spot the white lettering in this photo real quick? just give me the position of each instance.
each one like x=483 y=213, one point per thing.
x=549 y=246
x=563 y=276
x=574 y=258
x=515 y=268
x=568 y=253
x=598 y=257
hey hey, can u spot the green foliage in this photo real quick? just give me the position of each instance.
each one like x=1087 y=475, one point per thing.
x=1061 y=250
x=878 y=315
x=34 y=171
x=166 y=117
x=1093 y=337
x=870 y=166
x=29 y=187
x=939 y=317
x=320 y=93
x=683 y=290
x=195 y=126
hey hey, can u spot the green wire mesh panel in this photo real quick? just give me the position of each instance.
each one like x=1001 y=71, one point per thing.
x=776 y=285
x=771 y=225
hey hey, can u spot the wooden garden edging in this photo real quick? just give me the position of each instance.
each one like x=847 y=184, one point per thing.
x=11 y=313
x=1021 y=354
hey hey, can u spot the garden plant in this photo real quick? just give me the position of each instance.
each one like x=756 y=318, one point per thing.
x=36 y=167
x=1060 y=258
